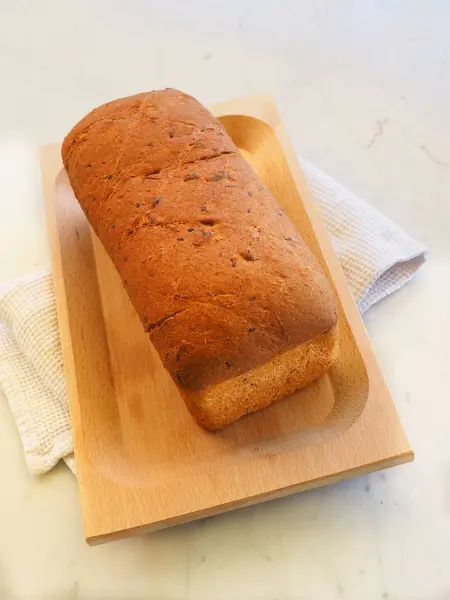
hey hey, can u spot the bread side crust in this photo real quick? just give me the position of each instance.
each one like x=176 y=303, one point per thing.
x=222 y=404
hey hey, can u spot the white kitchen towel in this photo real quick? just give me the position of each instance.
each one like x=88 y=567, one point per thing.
x=32 y=372
x=377 y=256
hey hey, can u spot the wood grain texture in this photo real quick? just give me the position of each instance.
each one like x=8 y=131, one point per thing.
x=142 y=462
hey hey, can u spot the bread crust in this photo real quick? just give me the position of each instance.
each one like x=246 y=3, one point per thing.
x=286 y=373
x=220 y=278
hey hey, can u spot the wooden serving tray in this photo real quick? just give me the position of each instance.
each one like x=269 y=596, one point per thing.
x=142 y=462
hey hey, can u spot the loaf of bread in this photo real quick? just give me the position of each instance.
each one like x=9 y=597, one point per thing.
x=233 y=300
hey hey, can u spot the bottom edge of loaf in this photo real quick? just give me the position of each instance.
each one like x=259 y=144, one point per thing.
x=224 y=403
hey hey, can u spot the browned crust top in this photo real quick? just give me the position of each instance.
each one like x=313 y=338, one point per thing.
x=217 y=273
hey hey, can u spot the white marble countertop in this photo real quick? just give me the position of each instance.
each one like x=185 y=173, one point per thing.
x=364 y=89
